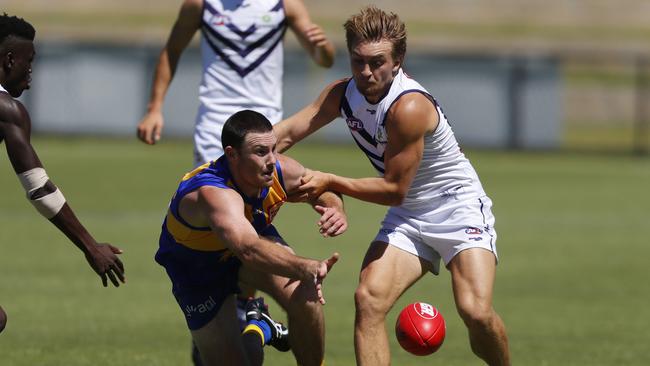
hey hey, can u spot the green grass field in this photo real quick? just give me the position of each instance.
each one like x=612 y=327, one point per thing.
x=571 y=285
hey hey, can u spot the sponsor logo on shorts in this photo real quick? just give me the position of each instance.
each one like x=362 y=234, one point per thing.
x=201 y=308
x=476 y=238
x=473 y=231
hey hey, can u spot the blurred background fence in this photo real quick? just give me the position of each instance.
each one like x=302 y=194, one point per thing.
x=514 y=74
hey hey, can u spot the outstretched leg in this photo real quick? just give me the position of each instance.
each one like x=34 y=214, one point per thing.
x=386 y=273
x=472 y=274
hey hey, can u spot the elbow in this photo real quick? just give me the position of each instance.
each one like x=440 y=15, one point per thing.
x=245 y=253
x=395 y=198
x=283 y=145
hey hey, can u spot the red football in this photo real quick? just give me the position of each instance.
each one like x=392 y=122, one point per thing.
x=420 y=329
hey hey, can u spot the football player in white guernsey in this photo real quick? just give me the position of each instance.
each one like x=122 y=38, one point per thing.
x=438 y=209
x=242 y=51
x=16 y=56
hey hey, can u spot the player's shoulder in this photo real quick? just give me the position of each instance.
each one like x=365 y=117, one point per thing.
x=414 y=106
x=336 y=89
x=11 y=110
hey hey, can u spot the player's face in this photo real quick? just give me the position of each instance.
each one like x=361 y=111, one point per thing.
x=373 y=68
x=19 y=60
x=257 y=160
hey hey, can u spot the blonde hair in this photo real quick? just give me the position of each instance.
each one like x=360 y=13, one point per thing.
x=372 y=24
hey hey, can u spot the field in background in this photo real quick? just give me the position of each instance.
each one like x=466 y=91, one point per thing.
x=570 y=286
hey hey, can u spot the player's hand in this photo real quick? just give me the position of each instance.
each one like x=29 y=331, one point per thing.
x=332 y=222
x=150 y=127
x=316 y=36
x=323 y=269
x=106 y=264
x=322 y=48
x=314 y=183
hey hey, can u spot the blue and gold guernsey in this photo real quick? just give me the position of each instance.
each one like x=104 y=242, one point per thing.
x=202 y=269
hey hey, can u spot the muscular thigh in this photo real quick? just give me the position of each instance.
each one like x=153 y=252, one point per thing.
x=388 y=271
x=219 y=341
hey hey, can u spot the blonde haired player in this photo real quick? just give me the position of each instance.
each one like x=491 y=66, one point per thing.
x=438 y=208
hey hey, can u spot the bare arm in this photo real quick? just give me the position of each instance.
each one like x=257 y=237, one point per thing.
x=314 y=116
x=407 y=123
x=329 y=205
x=224 y=210
x=186 y=25
x=15 y=127
x=311 y=36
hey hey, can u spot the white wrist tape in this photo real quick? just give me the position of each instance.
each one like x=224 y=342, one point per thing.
x=48 y=205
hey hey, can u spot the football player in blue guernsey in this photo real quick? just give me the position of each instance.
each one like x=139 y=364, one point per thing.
x=16 y=56
x=218 y=232
x=438 y=208
x=242 y=55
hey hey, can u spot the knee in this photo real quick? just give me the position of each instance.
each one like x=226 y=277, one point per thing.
x=476 y=315
x=370 y=302
x=302 y=298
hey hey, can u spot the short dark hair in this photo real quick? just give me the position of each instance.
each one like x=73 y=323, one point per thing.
x=372 y=24
x=242 y=123
x=17 y=27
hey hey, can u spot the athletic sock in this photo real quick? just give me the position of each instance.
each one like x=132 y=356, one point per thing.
x=260 y=327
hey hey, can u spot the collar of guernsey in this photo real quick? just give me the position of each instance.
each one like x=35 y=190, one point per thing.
x=259 y=211
x=2 y=89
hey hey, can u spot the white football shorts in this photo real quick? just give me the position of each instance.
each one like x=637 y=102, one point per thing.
x=452 y=224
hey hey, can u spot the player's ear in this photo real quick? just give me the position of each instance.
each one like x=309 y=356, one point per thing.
x=8 y=60
x=230 y=152
x=396 y=66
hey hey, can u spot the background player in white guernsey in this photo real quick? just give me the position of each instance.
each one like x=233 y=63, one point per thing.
x=16 y=56
x=438 y=206
x=242 y=50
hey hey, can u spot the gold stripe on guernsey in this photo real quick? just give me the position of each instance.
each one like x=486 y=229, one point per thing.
x=205 y=241
x=275 y=198
x=196 y=171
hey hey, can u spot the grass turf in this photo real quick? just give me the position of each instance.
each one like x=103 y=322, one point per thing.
x=570 y=285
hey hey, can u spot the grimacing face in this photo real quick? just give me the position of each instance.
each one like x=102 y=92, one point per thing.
x=373 y=68
x=256 y=160
x=19 y=61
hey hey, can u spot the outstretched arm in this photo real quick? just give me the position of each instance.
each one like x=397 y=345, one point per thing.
x=410 y=119
x=314 y=116
x=15 y=126
x=186 y=25
x=310 y=35
x=224 y=211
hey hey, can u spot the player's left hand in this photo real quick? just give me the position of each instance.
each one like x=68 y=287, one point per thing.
x=332 y=222
x=106 y=264
x=314 y=183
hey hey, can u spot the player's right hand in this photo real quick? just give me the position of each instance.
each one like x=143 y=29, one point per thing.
x=106 y=264
x=323 y=269
x=150 y=127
